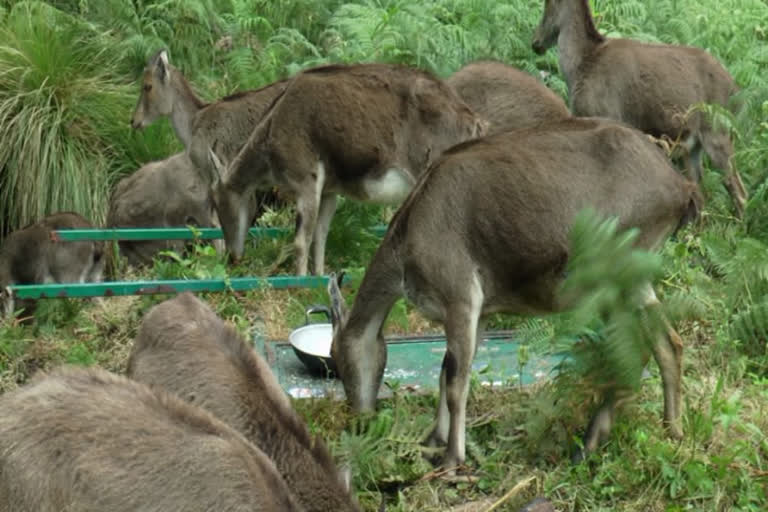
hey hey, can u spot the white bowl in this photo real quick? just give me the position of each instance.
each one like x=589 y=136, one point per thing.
x=312 y=345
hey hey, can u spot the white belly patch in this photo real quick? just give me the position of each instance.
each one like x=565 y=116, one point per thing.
x=392 y=187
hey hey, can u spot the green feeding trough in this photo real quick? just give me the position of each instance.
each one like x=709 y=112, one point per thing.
x=414 y=364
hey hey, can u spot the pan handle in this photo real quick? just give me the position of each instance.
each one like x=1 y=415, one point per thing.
x=314 y=309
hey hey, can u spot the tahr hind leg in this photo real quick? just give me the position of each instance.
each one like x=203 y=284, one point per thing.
x=327 y=209
x=667 y=349
x=720 y=150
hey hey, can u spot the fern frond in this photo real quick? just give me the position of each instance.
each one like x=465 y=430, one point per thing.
x=537 y=333
x=744 y=266
x=750 y=327
x=606 y=274
x=756 y=215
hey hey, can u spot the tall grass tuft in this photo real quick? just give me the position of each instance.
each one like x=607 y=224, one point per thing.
x=59 y=102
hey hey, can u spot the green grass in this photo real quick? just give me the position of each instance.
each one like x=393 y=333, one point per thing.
x=68 y=71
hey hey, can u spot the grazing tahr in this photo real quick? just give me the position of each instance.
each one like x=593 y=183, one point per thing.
x=166 y=193
x=509 y=99
x=487 y=230
x=366 y=131
x=30 y=256
x=86 y=440
x=225 y=124
x=186 y=349
x=652 y=87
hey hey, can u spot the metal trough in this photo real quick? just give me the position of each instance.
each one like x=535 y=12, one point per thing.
x=414 y=363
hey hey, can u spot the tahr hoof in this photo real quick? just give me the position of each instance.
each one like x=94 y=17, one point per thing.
x=578 y=456
x=539 y=505
x=675 y=431
x=434 y=441
x=454 y=477
x=454 y=472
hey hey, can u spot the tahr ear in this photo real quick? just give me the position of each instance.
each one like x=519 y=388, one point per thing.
x=161 y=65
x=428 y=99
x=480 y=127
x=217 y=167
x=338 y=305
x=6 y=302
x=345 y=478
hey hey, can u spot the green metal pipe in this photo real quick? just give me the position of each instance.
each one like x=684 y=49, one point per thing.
x=74 y=235
x=115 y=288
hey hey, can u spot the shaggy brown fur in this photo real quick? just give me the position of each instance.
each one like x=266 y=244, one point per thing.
x=185 y=348
x=88 y=441
x=508 y=98
x=504 y=205
x=29 y=256
x=652 y=87
x=225 y=124
x=365 y=131
x=166 y=193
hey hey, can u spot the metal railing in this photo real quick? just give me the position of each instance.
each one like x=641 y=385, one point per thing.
x=168 y=286
x=135 y=234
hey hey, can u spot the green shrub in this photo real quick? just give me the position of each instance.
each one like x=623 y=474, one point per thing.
x=59 y=101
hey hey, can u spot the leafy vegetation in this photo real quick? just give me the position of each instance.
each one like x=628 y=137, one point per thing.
x=68 y=71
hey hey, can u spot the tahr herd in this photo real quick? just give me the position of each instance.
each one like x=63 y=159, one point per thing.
x=489 y=168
